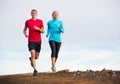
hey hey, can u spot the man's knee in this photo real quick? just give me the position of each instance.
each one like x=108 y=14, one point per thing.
x=36 y=55
x=32 y=54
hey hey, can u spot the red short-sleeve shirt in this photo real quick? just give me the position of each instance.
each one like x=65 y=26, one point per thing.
x=34 y=35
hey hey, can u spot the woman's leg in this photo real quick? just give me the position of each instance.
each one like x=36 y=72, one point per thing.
x=58 y=45
x=53 y=53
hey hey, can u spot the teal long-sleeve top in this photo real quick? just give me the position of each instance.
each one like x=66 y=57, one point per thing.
x=55 y=28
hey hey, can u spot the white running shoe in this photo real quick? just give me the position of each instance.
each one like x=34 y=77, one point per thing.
x=53 y=69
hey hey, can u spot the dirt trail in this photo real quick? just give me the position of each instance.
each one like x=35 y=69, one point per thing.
x=65 y=77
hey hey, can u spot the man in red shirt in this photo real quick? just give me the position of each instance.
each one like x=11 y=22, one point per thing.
x=35 y=27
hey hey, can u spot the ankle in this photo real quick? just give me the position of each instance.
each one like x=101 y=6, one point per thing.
x=53 y=64
x=35 y=69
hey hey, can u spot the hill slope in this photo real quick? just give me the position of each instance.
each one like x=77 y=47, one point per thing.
x=65 y=77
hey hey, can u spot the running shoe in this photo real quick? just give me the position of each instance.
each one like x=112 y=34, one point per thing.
x=53 y=69
x=35 y=73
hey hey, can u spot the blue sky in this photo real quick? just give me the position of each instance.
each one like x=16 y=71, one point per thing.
x=91 y=39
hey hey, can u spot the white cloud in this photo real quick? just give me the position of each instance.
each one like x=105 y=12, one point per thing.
x=80 y=59
x=84 y=59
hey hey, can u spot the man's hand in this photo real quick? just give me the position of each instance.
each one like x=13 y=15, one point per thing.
x=39 y=29
x=26 y=35
x=36 y=28
x=24 y=32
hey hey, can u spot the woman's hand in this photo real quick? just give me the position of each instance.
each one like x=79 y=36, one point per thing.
x=46 y=36
x=58 y=26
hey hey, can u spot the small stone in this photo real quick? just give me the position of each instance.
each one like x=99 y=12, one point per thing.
x=74 y=74
x=78 y=72
x=104 y=69
x=65 y=70
x=114 y=74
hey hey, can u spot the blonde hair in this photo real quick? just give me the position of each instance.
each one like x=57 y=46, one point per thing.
x=54 y=12
x=33 y=10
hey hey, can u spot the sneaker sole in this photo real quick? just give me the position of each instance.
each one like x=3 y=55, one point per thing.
x=35 y=73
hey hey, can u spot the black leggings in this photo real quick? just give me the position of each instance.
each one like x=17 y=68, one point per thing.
x=55 y=47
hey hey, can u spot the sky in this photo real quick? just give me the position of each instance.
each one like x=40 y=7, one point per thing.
x=91 y=39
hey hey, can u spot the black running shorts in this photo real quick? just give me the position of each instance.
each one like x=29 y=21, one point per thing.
x=34 y=46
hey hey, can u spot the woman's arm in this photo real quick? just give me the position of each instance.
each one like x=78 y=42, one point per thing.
x=61 y=28
x=48 y=30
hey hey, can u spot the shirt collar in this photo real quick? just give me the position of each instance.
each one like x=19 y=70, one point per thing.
x=55 y=19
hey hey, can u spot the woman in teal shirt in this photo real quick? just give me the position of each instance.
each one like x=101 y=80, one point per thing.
x=55 y=28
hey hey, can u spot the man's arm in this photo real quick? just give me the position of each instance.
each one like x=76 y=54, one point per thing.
x=39 y=29
x=24 y=32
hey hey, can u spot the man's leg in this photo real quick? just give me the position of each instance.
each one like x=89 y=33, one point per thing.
x=36 y=55
x=33 y=62
x=37 y=50
x=31 y=46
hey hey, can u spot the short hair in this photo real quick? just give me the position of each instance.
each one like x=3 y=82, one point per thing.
x=33 y=10
x=54 y=12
